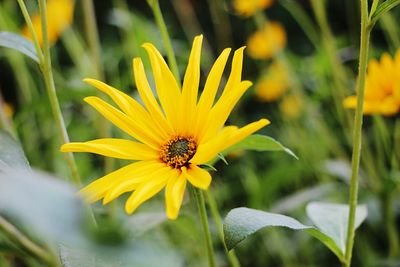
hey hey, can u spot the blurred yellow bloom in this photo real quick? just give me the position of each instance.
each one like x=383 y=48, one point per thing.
x=267 y=42
x=8 y=110
x=273 y=84
x=382 y=88
x=249 y=7
x=291 y=106
x=170 y=141
x=59 y=18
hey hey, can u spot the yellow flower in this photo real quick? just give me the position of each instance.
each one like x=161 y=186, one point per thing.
x=273 y=84
x=382 y=88
x=291 y=106
x=59 y=18
x=173 y=137
x=267 y=42
x=8 y=110
x=249 y=7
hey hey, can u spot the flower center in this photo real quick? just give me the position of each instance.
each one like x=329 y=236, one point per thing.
x=178 y=151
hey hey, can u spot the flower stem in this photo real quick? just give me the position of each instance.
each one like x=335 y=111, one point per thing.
x=355 y=163
x=233 y=260
x=47 y=72
x=204 y=222
x=155 y=6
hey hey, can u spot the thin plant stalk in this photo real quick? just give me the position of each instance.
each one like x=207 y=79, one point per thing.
x=46 y=68
x=155 y=7
x=204 y=222
x=232 y=258
x=92 y=35
x=26 y=243
x=357 y=133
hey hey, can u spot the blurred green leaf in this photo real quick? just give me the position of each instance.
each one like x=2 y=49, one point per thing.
x=332 y=220
x=43 y=205
x=141 y=253
x=382 y=9
x=142 y=222
x=259 y=142
x=19 y=43
x=11 y=153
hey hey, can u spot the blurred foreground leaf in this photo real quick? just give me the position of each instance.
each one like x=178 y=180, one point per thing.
x=43 y=205
x=330 y=221
x=19 y=43
x=11 y=153
x=261 y=143
x=141 y=253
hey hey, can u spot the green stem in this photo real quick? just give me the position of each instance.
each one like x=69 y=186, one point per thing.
x=92 y=35
x=390 y=222
x=233 y=260
x=155 y=6
x=356 y=154
x=25 y=242
x=31 y=30
x=336 y=68
x=204 y=222
x=47 y=72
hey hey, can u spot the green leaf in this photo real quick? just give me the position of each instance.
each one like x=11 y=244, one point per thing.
x=142 y=222
x=141 y=253
x=259 y=142
x=242 y=222
x=43 y=205
x=11 y=153
x=382 y=9
x=19 y=43
x=332 y=220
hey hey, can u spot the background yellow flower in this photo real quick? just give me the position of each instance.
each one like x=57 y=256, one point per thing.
x=265 y=43
x=291 y=106
x=273 y=84
x=59 y=18
x=382 y=91
x=249 y=7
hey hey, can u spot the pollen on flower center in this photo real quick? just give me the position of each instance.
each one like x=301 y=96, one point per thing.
x=178 y=151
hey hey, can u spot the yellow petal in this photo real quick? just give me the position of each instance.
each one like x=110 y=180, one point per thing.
x=235 y=76
x=96 y=190
x=207 y=151
x=190 y=88
x=148 y=189
x=167 y=88
x=174 y=192
x=210 y=90
x=116 y=148
x=197 y=176
x=146 y=94
x=221 y=110
x=127 y=184
x=125 y=123
x=128 y=105
x=243 y=132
